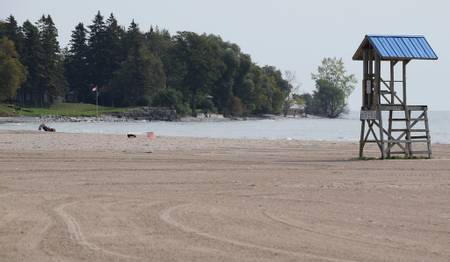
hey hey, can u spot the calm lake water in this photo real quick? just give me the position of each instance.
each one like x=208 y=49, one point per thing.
x=346 y=128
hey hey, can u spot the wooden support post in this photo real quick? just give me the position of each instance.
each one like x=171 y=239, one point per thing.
x=365 y=78
x=407 y=112
x=362 y=139
x=392 y=90
x=377 y=100
x=427 y=132
x=370 y=77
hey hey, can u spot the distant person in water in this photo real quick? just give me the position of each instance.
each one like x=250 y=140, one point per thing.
x=46 y=128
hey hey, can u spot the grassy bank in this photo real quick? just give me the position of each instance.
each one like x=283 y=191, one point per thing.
x=61 y=109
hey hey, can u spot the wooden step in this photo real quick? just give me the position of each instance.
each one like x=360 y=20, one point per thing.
x=400 y=107
x=419 y=152
x=386 y=92
x=404 y=129
x=397 y=153
x=419 y=137
x=412 y=153
x=406 y=141
x=411 y=119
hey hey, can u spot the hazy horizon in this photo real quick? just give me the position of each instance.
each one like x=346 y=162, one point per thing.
x=288 y=34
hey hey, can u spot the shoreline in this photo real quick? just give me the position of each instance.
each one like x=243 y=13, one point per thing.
x=107 y=118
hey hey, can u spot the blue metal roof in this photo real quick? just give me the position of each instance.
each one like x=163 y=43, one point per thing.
x=397 y=47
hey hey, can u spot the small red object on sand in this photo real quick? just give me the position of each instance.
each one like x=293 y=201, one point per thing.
x=151 y=135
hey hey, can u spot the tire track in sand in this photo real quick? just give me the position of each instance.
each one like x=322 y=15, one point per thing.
x=77 y=235
x=290 y=224
x=166 y=216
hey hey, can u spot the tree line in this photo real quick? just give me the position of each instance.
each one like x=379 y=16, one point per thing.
x=186 y=71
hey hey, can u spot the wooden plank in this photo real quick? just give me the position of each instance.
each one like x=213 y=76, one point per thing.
x=404 y=119
x=386 y=92
x=418 y=130
x=371 y=141
x=399 y=107
x=404 y=129
x=419 y=152
x=398 y=153
x=419 y=137
x=407 y=141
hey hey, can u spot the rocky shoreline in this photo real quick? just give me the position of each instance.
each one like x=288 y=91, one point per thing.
x=111 y=118
x=139 y=114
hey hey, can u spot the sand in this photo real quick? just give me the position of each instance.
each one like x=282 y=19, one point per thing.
x=79 y=197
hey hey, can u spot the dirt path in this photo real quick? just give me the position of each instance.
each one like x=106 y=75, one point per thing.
x=67 y=197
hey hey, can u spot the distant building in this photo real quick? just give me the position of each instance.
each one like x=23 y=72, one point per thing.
x=296 y=110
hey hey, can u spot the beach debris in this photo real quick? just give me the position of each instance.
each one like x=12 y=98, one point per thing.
x=130 y=135
x=46 y=128
x=151 y=135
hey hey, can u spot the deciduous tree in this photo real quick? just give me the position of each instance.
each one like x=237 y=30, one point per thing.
x=12 y=72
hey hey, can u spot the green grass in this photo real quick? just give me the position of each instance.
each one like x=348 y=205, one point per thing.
x=7 y=110
x=61 y=109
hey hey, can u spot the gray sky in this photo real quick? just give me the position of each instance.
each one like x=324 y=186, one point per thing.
x=289 y=34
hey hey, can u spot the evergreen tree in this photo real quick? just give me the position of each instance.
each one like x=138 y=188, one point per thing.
x=52 y=78
x=32 y=56
x=130 y=68
x=140 y=77
x=116 y=54
x=76 y=66
x=14 y=33
x=133 y=39
x=106 y=53
x=97 y=54
x=158 y=41
x=199 y=62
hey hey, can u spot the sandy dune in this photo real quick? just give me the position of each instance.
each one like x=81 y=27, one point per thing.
x=73 y=197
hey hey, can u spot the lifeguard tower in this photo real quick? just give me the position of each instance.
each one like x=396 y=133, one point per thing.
x=406 y=132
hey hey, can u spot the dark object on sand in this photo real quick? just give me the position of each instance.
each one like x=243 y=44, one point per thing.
x=131 y=135
x=46 y=128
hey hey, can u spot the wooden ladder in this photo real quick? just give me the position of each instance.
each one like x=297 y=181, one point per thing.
x=411 y=135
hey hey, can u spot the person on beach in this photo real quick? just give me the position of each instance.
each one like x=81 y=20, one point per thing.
x=46 y=128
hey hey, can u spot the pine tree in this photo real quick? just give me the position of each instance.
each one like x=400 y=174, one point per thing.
x=116 y=54
x=133 y=39
x=29 y=93
x=52 y=78
x=14 y=33
x=114 y=35
x=97 y=54
x=140 y=77
x=76 y=66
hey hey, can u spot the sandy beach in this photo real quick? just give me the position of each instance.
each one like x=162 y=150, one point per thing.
x=89 y=197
